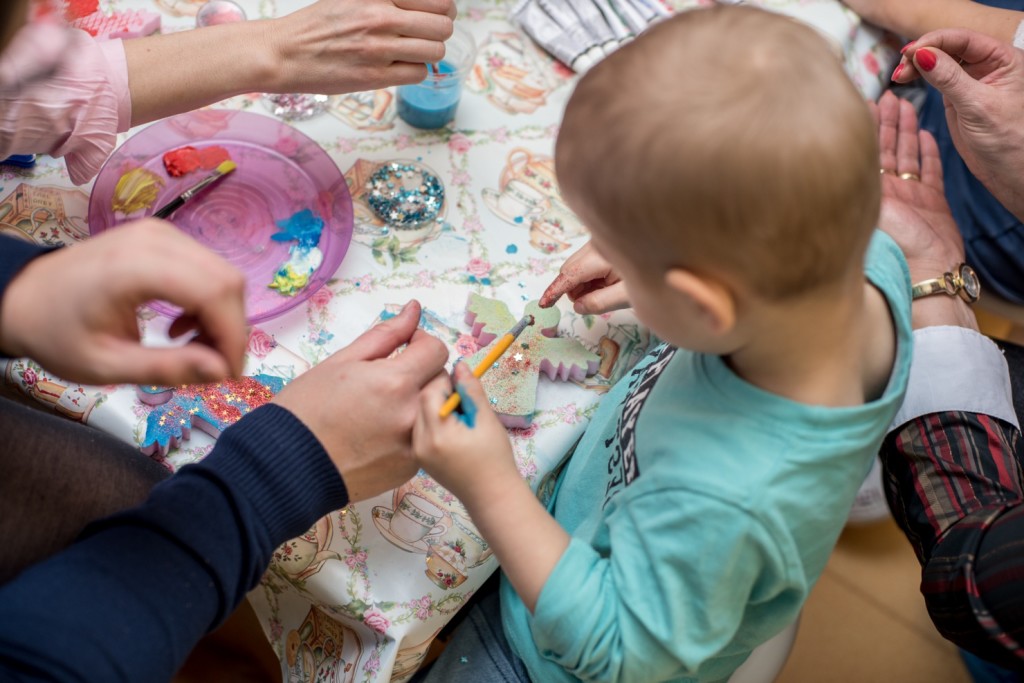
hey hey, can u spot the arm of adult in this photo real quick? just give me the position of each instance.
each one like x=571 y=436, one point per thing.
x=74 y=309
x=129 y=599
x=330 y=47
x=913 y=18
x=953 y=474
x=982 y=84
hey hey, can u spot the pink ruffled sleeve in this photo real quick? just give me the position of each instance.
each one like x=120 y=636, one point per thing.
x=64 y=94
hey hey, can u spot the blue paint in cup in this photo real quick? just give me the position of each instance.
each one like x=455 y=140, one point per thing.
x=432 y=103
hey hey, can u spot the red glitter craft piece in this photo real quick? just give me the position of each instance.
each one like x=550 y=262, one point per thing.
x=511 y=384
x=209 y=407
x=127 y=24
x=77 y=9
x=185 y=160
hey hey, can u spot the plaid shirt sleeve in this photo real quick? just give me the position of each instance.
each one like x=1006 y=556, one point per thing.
x=955 y=485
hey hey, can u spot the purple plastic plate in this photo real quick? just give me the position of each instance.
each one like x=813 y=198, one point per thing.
x=280 y=172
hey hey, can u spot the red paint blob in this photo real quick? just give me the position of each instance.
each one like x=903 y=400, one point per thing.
x=185 y=160
x=212 y=157
x=179 y=162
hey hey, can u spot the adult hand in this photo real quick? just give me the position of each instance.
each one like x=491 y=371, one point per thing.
x=471 y=459
x=982 y=83
x=590 y=282
x=337 y=46
x=74 y=310
x=362 y=401
x=914 y=209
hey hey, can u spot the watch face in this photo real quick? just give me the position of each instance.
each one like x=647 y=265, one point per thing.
x=972 y=287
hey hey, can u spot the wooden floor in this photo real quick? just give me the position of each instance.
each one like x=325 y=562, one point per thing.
x=865 y=621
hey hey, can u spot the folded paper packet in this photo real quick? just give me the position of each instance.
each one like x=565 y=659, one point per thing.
x=579 y=33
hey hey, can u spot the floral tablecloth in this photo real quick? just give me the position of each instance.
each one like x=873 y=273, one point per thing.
x=350 y=600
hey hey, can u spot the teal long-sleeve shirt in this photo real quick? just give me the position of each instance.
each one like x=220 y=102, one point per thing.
x=702 y=510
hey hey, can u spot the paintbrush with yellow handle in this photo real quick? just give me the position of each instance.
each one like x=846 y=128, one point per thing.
x=489 y=360
x=170 y=207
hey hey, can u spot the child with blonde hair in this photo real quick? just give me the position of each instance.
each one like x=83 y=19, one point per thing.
x=728 y=171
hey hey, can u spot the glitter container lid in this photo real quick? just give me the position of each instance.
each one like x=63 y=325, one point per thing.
x=217 y=12
x=280 y=173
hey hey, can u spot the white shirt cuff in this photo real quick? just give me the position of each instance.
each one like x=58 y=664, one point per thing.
x=956 y=369
x=1018 y=37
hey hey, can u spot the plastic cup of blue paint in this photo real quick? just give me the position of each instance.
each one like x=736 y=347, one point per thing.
x=432 y=103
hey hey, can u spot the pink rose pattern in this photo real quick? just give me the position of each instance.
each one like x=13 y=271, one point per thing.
x=322 y=297
x=478 y=267
x=376 y=620
x=466 y=345
x=261 y=343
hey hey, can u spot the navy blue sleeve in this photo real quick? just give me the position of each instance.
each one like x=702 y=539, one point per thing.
x=132 y=596
x=14 y=254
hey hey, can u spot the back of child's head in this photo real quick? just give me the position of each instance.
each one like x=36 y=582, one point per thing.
x=726 y=140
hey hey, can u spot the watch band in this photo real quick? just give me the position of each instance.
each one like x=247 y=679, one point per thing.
x=961 y=280
x=938 y=285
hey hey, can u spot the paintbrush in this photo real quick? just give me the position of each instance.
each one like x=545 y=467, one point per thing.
x=488 y=362
x=170 y=207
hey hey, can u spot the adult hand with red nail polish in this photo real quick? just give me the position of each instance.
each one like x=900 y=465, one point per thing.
x=982 y=84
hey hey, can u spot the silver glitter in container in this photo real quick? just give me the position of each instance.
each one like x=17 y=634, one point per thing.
x=296 y=106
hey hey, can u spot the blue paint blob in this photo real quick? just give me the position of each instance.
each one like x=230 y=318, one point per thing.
x=467 y=409
x=511 y=249
x=432 y=102
x=518 y=219
x=304 y=227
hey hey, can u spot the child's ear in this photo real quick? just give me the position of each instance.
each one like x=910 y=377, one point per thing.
x=714 y=302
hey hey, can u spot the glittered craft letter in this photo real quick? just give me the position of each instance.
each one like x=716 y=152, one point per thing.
x=512 y=383
x=209 y=407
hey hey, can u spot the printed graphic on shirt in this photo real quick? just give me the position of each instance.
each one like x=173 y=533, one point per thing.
x=622 y=466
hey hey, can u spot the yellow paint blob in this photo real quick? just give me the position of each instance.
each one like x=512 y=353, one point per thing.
x=288 y=282
x=137 y=190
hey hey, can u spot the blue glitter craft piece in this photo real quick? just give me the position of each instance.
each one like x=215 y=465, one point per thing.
x=405 y=195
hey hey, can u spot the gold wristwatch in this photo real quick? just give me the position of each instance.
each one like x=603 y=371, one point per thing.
x=962 y=281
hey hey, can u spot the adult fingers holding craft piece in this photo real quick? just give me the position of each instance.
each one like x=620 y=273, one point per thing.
x=372 y=445
x=92 y=291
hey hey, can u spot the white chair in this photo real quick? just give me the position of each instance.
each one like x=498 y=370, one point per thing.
x=766 y=661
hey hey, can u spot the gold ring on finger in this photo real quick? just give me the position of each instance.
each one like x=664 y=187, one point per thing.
x=909 y=176
x=883 y=171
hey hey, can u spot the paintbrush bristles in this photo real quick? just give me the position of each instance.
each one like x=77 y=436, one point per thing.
x=525 y=322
